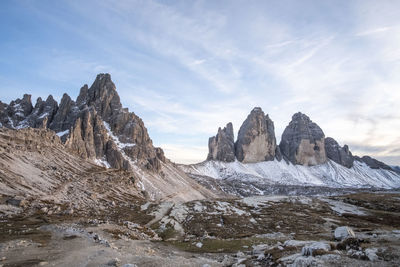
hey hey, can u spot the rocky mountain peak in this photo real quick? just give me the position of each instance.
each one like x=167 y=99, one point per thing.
x=95 y=126
x=83 y=95
x=66 y=115
x=303 y=141
x=103 y=95
x=338 y=154
x=256 y=139
x=22 y=107
x=222 y=146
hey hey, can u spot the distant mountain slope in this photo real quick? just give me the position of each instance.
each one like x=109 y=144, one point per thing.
x=329 y=174
x=304 y=158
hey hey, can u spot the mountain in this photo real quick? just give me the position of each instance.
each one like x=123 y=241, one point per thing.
x=256 y=139
x=303 y=141
x=97 y=128
x=38 y=172
x=338 y=154
x=303 y=158
x=222 y=146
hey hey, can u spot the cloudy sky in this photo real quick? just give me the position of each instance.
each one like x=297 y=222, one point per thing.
x=189 y=67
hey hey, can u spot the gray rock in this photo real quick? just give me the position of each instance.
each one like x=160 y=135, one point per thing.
x=256 y=139
x=43 y=113
x=14 y=115
x=343 y=232
x=371 y=254
x=311 y=249
x=222 y=146
x=303 y=142
x=66 y=115
x=338 y=154
x=278 y=154
x=13 y=202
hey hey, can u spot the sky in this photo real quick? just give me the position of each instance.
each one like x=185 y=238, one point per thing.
x=189 y=67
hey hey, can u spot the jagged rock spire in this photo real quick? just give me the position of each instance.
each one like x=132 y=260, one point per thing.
x=256 y=139
x=303 y=141
x=338 y=154
x=222 y=146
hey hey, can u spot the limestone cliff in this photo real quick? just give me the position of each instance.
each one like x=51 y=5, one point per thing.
x=303 y=142
x=256 y=139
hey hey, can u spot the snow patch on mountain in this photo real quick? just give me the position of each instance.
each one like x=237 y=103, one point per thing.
x=328 y=174
x=60 y=134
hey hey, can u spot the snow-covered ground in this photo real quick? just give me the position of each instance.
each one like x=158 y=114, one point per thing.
x=329 y=174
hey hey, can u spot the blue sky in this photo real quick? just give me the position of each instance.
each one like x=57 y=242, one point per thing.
x=189 y=67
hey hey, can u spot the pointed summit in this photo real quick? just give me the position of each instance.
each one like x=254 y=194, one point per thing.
x=303 y=141
x=103 y=95
x=222 y=146
x=338 y=154
x=256 y=139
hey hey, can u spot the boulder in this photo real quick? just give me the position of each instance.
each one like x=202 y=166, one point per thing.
x=256 y=139
x=303 y=142
x=315 y=247
x=343 y=232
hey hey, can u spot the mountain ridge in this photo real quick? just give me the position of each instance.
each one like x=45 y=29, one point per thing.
x=304 y=157
x=97 y=128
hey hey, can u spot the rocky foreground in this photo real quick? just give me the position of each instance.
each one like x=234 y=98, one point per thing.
x=361 y=229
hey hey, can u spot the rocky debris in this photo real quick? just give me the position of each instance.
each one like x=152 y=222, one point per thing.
x=343 y=232
x=222 y=146
x=373 y=163
x=82 y=125
x=256 y=139
x=371 y=254
x=314 y=248
x=338 y=154
x=303 y=142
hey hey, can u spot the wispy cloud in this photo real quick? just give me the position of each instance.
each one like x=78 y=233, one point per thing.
x=373 y=31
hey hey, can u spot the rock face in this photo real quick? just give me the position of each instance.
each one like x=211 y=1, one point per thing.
x=338 y=154
x=303 y=142
x=256 y=139
x=222 y=146
x=14 y=115
x=373 y=163
x=95 y=125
